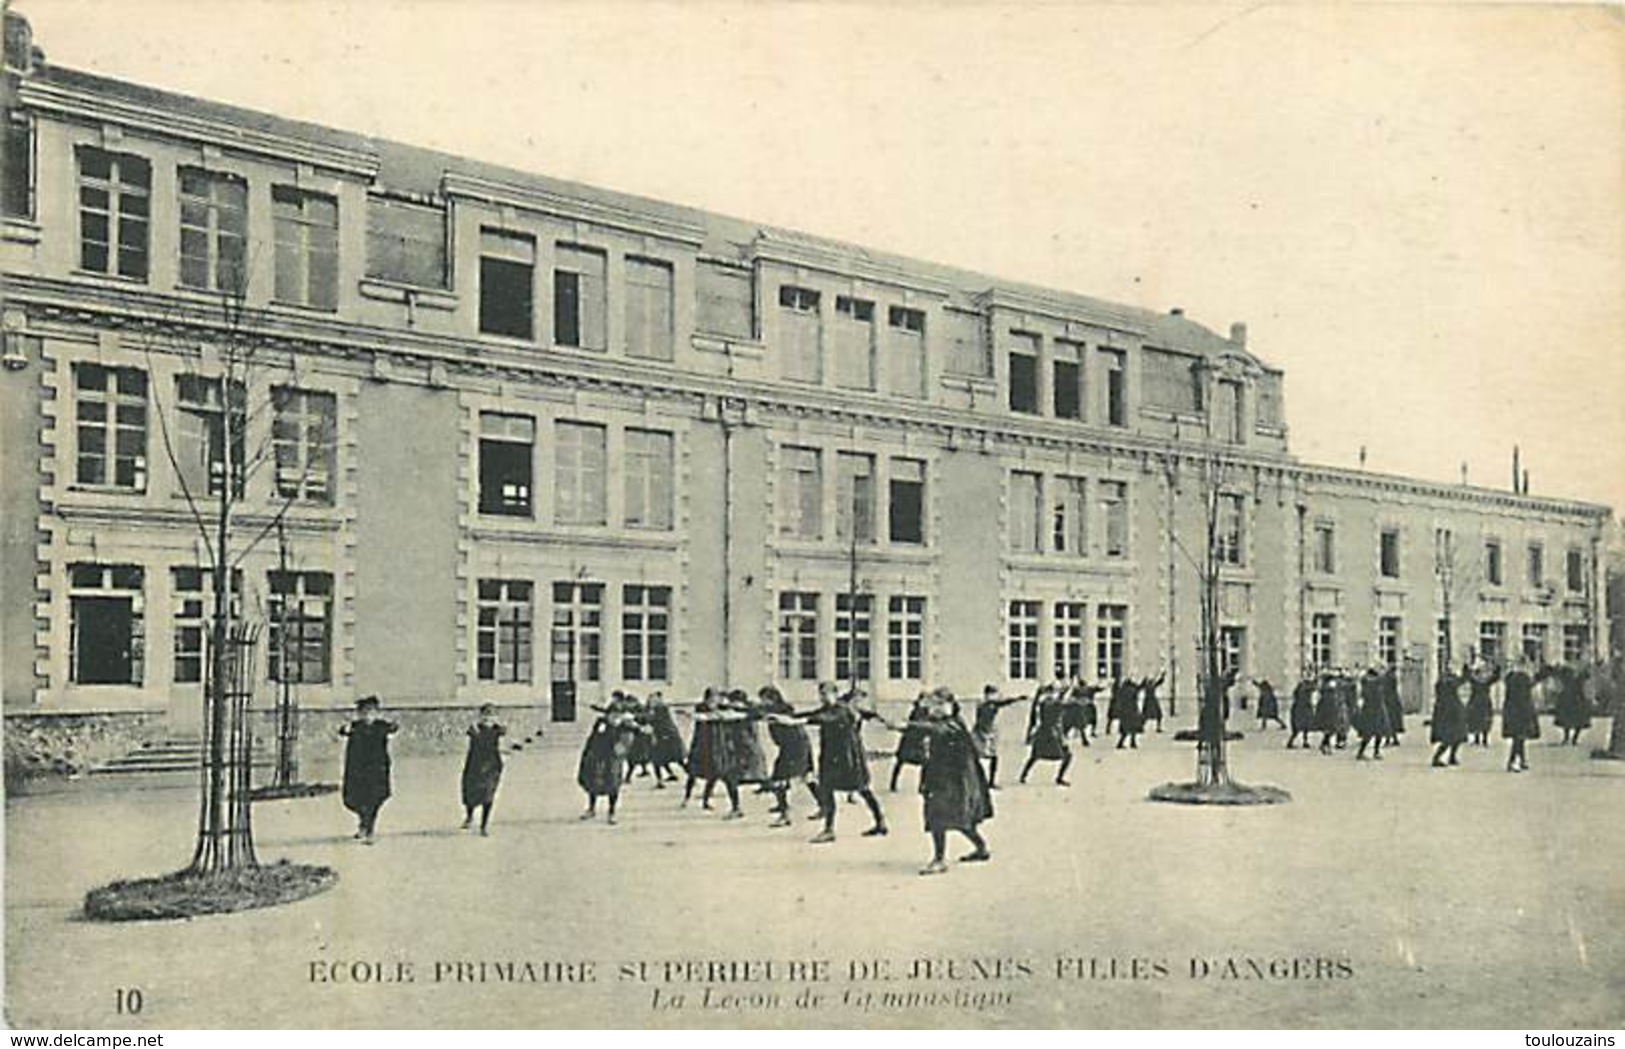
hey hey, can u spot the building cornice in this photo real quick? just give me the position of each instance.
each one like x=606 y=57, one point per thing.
x=576 y=209
x=434 y=359
x=776 y=246
x=1061 y=308
x=88 y=106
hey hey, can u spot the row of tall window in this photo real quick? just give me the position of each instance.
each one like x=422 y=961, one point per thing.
x=862 y=354
x=107 y=620
x=1024 y=630
x=208 y=434
x=1493 y=641
x=802 y=490
x=579 y=482
x=1068 y=388
x=801 y=648
x=1049 y=514
x=580 y=295
x=506 y=623
x=115 y=229
x=1447 y=560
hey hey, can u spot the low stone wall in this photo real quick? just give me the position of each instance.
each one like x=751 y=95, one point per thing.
x=423 y=730
x=59 y=744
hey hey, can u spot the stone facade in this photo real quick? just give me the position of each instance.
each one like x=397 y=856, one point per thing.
x=520 y=431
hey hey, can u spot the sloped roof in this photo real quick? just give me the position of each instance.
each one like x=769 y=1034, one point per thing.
x=419 y=171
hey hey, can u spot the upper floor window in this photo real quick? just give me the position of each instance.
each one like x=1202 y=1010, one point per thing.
x=1114 y=504
x=507 y=283
x=1388 y=553
x=1114 y=387
x=1444 y=553
x=1536 y=562
x=304 y=438
x=648 y=475
x=905 y=351
x=307 y=247
x=854 y=343
x=214 y=231
x=110 y=414
x=855 y=490
x=579 y=305
x=17 y=167
x=968 y=352
x=1574 y=573
x=1228 y=421
x=906 y=506
x=579 y=474
x=212 y=440
x=1067 y=379
x=507 y=454
x=726 y=300
x=1231 y=535
x=1271 y=412
x=1026 y=512
x=406 y=242
x=1024 y=372
x=1492 y=562
x=800 y=334
x=1068 y=533
x=115 y=208
x=800 y=493
x=648 y=309
x=1325 y=548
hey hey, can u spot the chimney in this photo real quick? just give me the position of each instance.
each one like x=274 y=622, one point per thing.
x=1464 y=471
x=1238 y=335
x=1177 y=311
x=1362 y=457
x=1526 y=482
x=20 y=53
x=1516 y=473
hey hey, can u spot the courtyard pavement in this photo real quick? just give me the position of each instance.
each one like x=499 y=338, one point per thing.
x=1386 y=894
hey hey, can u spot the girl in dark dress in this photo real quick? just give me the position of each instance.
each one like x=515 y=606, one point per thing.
x=952 y=784
x=1449 y=728
x=1303 y=712
x=1045 y=737
x=740 y=758
x=1080 y=715
x=602 y=769
x=842 y=763
x=793 y=761
x=482 y=768
x=1372 y=720
x=1480 y=711
x=1573 y=709
x=911 y=744
x=1520 y=722
x=666 y=745
x=1130 y=713
x=366 y=765
x=703 y=749
x=1329 y=720
x=1269 y=704
x=986 y=732
x=1150 y=705
x=1394 y=708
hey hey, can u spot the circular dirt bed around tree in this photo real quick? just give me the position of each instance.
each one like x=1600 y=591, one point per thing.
x=185 y=894
x=1219 y=794
x=291 y=791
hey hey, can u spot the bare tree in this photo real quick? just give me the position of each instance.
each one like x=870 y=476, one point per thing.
x=218 y=450
x=1213 y=476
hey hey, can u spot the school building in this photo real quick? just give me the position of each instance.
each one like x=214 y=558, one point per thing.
x=503 y=431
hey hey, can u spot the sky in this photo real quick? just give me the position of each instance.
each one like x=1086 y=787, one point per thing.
x=1419 y=211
